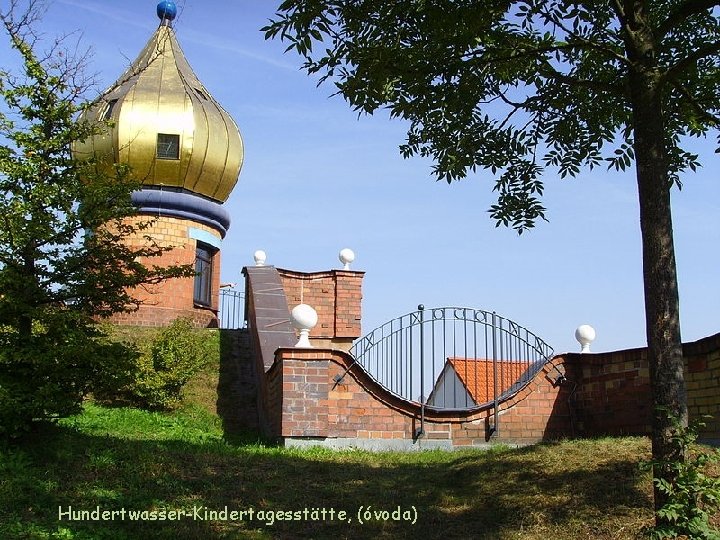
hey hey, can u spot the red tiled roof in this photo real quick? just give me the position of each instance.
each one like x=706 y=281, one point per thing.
x=477 y=375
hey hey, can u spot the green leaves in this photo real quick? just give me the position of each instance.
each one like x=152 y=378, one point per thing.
x=555 y=75
x=63 y=261
x=517 y=205
x=693 y=495
x=160 y=365
x=622 y=158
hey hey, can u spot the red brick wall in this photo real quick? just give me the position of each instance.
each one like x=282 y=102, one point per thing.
x=542 y=409
x=271 y=399
x=702 y=378
x=613 y=395
x=311 y=404
x=572 y=395
x=167 y=301
x=336 y=295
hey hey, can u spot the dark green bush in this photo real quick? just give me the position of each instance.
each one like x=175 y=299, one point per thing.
x=164 y=362
x=46 y=374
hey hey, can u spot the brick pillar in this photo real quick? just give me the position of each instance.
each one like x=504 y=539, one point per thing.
x=336 y=295
x=302 y=407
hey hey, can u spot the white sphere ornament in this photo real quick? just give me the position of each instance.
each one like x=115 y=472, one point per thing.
x=303 y=318
x=585 y=334
x=346 y=256
x=260 y=257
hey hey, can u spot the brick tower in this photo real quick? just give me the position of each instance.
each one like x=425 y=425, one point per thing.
x=187 y=152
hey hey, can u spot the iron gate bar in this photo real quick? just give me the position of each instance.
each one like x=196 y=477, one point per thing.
x=496 y=417
x=231 y=309
x=415 y=357
x=421 y=432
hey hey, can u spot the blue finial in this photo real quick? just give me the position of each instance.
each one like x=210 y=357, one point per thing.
x=166 y=10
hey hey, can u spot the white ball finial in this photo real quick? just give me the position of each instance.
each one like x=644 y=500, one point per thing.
x=303 y=318
x=346 y=256
x=260 y=257
x=585 y=334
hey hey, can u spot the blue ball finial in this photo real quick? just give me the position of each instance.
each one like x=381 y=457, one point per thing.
x=166 y=10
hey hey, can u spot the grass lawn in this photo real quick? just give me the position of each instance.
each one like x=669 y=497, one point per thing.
x=122 y=459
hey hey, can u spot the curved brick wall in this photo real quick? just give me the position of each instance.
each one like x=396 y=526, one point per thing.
x=305 y=401
x=320 y=396
x=165 y=302
x=573 y=395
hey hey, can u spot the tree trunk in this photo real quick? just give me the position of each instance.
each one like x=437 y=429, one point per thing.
x=662 y=309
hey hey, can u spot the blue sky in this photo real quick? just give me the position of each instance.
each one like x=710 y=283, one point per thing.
x=318 y=178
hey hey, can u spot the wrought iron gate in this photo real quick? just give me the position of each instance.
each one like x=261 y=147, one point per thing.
x=451 y=357
x=231 y=312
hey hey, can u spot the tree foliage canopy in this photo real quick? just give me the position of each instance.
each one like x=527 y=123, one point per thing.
x=520 y=86
x=517 y=86
x=63 y=262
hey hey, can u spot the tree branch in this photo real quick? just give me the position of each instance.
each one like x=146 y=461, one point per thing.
x=619 y=10
x=682 y=12
x=547 y=70
x=584 y=83
x=542 y=51
x=701 y=112
x=674 y=71
x=516 y=107
x=551 y=18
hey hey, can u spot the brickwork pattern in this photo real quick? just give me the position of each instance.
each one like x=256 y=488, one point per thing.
x=703 y=383
x=336 y=295
x=542 y=409
x=164 y=302
x=320 y=393
x=273 y=404
x=157 y=316
x=572 y=395
x=237 y=382
x=613 y=396
x=313 y=404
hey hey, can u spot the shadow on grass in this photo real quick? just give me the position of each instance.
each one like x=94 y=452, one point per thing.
x=496 y=494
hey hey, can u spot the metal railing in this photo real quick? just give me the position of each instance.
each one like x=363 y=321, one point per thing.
x=451 y=357
x=231 y=311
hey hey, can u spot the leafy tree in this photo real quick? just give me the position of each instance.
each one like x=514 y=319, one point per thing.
x=519 y=86
x=63 y=262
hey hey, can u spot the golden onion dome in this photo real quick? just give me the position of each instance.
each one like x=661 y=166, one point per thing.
x=165 y=124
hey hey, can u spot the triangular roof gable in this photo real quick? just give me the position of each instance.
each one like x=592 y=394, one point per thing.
x=478 y=376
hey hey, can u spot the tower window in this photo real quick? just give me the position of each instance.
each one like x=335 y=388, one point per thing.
x=168 y=146
x=202 y=293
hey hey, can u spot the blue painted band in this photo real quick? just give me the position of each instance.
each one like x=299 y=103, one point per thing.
x=204 y=237
x=182 y=205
